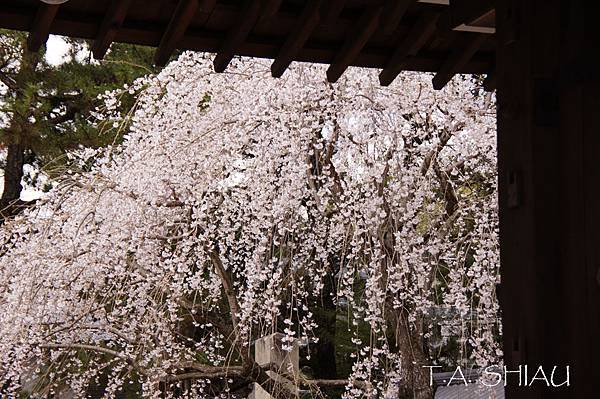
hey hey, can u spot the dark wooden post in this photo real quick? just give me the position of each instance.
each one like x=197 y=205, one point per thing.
x=549 y=183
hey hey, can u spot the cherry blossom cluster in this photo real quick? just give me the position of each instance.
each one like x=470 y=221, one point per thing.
x=218 y=219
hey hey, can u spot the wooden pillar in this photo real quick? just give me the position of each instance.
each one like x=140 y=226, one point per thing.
x=549 y=184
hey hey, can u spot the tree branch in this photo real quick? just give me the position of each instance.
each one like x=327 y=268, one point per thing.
x=336 y=383
x=93 y=348
x=8 y=81
x=234 y=307
x=450 y=196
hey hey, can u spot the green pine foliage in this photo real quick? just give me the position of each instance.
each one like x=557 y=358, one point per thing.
x=48 y=109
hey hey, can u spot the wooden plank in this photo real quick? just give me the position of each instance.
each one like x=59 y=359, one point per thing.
x=418 y=36
x=238 y=34
x=394 y=13
x=305 y=25
x=457 y=60
x=183 y=15
x=112 y=22
x=355 y=42
x=40 y=29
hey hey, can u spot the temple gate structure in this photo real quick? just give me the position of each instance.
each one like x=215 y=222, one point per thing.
x=536 y=54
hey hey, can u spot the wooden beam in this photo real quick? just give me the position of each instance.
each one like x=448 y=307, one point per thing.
x=418 y=36
x=490 y=30
x=366 y=25
x=458 y=59
x=271 y=8
x=112 y=22
x=183 y=15
x=295 y=41
x=470 y=16
x=238 y=34
x=205 y=10
x=394 y=13
x=40 y=30
x=333 y=10
x=469 y=11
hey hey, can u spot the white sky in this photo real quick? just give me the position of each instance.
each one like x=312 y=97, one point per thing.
x=56 y=50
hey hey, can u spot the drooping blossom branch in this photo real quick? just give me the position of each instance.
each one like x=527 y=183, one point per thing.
x=218 y=220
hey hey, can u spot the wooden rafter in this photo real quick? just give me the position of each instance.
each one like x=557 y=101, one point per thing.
x=458 y=59
x=238 y=34
x=271 y=8
x=112 y=22
x=181 y=19
x=332 y=10
x=304 y=26
x=204 y=12
x=354 y=44
x=40 y=29
x=394 y=13
x=418 y=36
x=218 y=30
x=470 y=16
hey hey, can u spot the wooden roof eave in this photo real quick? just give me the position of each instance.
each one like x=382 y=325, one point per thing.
x=282 y=30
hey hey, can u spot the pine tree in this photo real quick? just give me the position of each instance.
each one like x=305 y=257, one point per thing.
x=46 y=109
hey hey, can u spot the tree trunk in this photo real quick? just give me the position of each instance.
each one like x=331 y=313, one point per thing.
x=323 y=352
x=18 y=134
x=13 y=173
x=410 y=345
